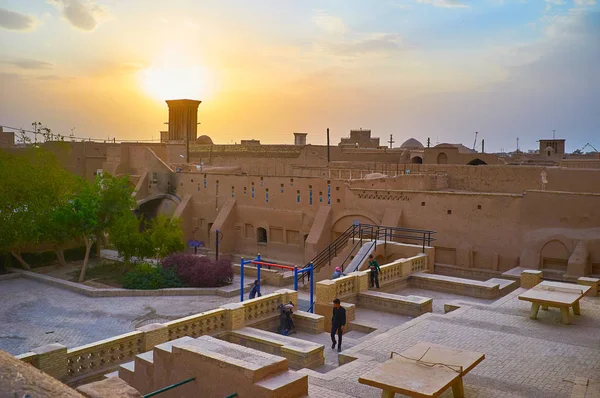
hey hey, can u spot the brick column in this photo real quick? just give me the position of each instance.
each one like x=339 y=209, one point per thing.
x=325 y=292
x=361 y=281
x=235 y=317
x=530 y=278
x=52 y=359
x=288 y=295
x=154 y=334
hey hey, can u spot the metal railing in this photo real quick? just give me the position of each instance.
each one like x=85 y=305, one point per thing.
x=372 y=233
x=167 y=388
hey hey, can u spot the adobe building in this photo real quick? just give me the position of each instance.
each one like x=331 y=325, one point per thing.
x=288 y=201
x=360 y=139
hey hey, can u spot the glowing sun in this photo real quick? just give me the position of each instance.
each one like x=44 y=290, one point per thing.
x=173 y=82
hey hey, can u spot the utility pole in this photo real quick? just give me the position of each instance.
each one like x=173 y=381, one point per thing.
x=517 y=144
x=428 y=142
x=391 y=141
x=483 y=146
x=328 y=154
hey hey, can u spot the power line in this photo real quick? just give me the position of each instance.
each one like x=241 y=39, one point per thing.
x=73 y=137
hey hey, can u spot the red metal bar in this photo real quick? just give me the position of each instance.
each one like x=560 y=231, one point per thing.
x=273 y=265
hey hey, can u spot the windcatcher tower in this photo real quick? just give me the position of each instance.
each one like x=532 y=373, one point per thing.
x=183 y=120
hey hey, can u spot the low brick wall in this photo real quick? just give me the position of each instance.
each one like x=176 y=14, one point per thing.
x=116 y=292
x=309 y=322
x=402 y=305
x=469 y=273
x=449 y=284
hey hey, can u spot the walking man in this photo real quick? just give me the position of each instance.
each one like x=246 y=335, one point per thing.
x=374 y=267
x=338 y=321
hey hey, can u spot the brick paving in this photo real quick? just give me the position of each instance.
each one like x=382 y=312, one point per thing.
x=524 y=357
x=33 y=314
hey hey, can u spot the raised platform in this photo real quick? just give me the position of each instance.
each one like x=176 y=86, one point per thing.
x=220 y=368
x=299 y=353
x=403 y=305
x=491 y=289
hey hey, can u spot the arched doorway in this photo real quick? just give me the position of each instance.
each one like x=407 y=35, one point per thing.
x=554 y=255
x=442 y=158
x=476 y=162
x=417 y=160
x=261 y=235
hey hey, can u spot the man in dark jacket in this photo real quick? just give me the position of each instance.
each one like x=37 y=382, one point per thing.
x=255 y=290
x=338 y=321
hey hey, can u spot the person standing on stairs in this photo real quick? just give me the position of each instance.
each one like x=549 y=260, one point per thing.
x=374 y=267
x=338 y=321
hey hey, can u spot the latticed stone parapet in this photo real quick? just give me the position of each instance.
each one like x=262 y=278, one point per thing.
x=349 y=286
x=208 y=322
x=530 y=278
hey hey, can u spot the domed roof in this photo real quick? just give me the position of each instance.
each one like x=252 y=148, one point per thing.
x=411 y=143
x=204 y=140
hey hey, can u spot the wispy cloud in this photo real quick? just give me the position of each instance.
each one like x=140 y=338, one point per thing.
x=444 y=3
x=329 y=23
x=585 y=2
x=374 y=43
x=12 y=20
x=82 y=14
x=25 y=63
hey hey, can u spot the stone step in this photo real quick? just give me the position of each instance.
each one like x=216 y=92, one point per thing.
x=162 y=361
x=256 y=365
x=126 y=372
x=275 y=338
x=112 y=374
x=285 y=385
x=506 y=285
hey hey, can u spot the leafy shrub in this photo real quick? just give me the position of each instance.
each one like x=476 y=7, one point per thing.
x=148 y=277
x=196 y=271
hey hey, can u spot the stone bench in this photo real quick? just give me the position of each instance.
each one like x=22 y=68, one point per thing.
x=403 y=305
x=593 y=282
x=460 y=286
x=299 y=353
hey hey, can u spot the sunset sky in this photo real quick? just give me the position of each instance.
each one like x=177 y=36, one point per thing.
x=264 y=69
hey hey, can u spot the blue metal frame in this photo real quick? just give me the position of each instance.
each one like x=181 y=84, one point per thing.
x=297 y=273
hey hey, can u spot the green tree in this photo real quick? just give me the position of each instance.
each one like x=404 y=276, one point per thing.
x=94 y=209
x=165 y=236
x=126 y=237
x=33 y=185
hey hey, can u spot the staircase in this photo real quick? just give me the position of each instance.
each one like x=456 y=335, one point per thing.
x=373 y=234
x=220 y=369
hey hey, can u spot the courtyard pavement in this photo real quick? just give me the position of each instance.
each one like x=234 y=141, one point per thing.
x=524 y=358
x=33 y=314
